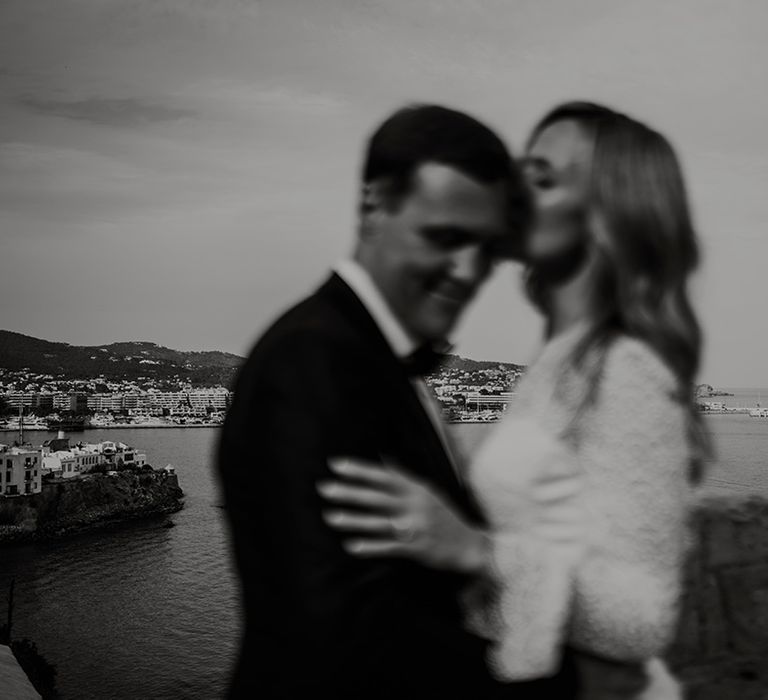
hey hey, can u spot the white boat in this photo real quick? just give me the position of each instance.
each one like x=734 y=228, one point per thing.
x=30 y=423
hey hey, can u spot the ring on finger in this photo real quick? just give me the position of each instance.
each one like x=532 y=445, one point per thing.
x=402 y=530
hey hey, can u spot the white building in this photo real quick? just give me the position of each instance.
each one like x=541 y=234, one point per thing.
x=62 y=463
x=106 y=402
x=478 y=402
x=111 y=453
x=61 y=401
x=20 y=471
x=193 y=402
x=65 y=461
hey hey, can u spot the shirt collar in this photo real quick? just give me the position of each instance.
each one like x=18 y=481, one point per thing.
x=360 y=282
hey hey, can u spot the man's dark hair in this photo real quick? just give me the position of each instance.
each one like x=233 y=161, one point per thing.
x=421 y=134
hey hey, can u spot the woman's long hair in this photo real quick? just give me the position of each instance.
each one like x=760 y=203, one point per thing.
x=645 y=248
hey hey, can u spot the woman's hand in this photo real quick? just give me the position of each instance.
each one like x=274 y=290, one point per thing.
x=388 y=512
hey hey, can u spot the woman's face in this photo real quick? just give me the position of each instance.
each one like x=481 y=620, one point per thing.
x=557 y=167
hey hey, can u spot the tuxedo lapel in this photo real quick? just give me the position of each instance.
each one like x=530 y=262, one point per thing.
x=419 y=437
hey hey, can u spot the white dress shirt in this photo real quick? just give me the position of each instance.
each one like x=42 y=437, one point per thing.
x=401 y=343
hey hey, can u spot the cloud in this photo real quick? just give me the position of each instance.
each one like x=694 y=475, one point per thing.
x=108 y=111
x=292 y=98
x=246 y=98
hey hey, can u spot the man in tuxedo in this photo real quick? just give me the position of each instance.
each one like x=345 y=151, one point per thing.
x=340 y=374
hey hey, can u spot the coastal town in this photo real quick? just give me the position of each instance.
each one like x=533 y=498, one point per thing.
x=63 y=487
x=24 y=468
x=52 y=386
x=467 y=390
x=50 y=403
x=479 y=392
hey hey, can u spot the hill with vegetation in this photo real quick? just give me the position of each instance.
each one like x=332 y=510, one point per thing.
x=134 y=360
x=456 y=362
x=141 y=360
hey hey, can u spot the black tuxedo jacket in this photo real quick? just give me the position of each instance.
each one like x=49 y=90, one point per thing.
x=323 y=382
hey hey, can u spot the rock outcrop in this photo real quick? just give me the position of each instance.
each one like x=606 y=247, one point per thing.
x=87 y=502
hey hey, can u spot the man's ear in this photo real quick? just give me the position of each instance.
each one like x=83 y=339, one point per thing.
x=376 y=195
x=373 y=203
x=369 y=198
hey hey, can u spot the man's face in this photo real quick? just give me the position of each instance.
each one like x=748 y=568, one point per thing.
x=557 y=168
x=430 y=251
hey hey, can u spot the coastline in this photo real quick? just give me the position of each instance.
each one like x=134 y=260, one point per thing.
x=14 y=537
x=744 y=411
x=88 y=503
x=121 y=426
x=741 y=411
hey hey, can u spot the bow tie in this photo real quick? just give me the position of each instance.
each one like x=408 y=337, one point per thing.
x=423 y=360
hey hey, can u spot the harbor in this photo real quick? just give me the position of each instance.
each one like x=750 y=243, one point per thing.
x=32 y=423
x=157 y=608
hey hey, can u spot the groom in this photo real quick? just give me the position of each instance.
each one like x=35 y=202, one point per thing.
x=340 y=374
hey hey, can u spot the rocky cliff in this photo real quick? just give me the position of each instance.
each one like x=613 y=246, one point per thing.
x=88 y=502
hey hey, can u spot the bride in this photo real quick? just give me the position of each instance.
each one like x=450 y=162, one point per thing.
x=587 y=481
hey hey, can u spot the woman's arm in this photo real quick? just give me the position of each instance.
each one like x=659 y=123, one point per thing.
x=634 y=453
x=530 y=487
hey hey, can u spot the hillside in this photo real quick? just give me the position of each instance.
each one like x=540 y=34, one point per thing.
x=137 y=360
x=116 y=361
x=466 y=365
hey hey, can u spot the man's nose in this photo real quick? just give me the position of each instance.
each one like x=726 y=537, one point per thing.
x=470 y=265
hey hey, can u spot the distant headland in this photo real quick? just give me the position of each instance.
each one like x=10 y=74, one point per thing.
x=707 y=390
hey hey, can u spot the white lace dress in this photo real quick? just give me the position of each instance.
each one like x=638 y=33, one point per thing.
x=588 y=516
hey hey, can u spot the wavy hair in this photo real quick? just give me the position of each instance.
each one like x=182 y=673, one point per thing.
x=646 y=249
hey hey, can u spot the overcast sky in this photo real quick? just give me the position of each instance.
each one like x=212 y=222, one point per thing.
x=180 y=170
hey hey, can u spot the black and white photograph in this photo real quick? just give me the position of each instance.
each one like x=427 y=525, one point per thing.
x=383 y=349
